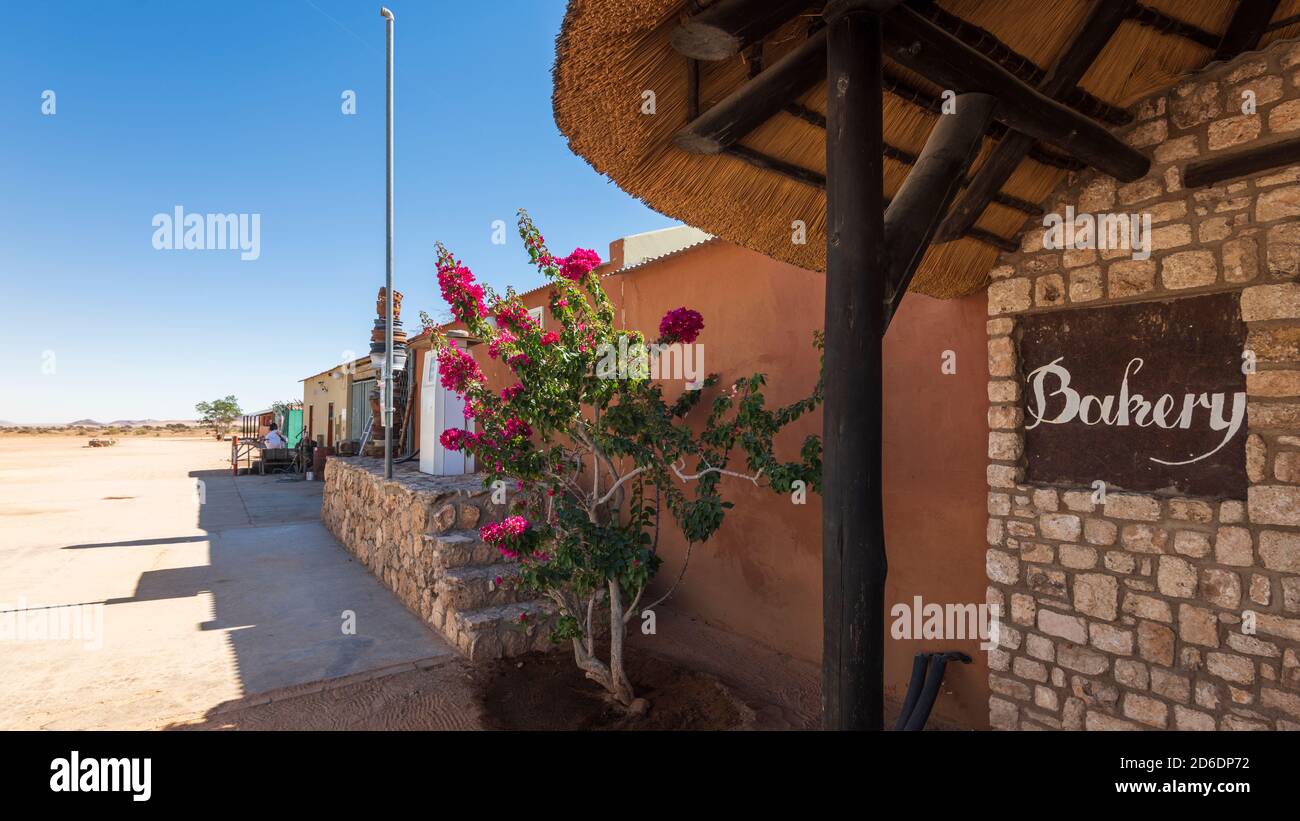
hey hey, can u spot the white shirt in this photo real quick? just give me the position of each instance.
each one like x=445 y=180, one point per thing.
x=275 y=440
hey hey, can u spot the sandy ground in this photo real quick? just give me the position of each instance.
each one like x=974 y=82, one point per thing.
x=221 y=601
x=189 y=596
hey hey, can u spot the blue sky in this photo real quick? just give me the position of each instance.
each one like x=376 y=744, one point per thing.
x=235 y=107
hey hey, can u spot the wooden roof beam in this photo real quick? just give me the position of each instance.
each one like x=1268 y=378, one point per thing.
x=1151 y=18
x=797 y=70
x=1283 y=23
x=934 y=104
x=1241 y=163
x=904 y=157
x=914 y=213
x=728 y=27
x=807 y=176
x=750 y=105
x=921 y=46
x=1091 y=37
x=1020 y=66
x=1248 y=24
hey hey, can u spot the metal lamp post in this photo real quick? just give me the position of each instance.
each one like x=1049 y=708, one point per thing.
x=388 y=289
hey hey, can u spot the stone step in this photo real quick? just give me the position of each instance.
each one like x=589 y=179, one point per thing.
x=476 y=586
x=497 y=631
x=460 y=548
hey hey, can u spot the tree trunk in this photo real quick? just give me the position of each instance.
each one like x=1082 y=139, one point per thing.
x=622 y=688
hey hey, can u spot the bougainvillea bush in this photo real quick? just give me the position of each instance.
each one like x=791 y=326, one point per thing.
x=601 y=464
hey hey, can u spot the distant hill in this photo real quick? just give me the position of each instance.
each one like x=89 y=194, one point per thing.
x=91 y=423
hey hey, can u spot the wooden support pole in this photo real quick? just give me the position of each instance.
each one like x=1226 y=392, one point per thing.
x=1248 y=24
x=942 y=58
x=1089 y=40
x=1241 y=163
x=728 y=27
x=853 y=531
x=921 y=202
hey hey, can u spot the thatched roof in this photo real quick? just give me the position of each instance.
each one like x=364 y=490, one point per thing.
x=610 y=52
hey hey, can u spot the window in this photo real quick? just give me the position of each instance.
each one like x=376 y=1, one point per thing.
x=538 y=316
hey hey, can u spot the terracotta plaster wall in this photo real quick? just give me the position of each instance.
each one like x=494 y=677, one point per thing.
x=761 y=575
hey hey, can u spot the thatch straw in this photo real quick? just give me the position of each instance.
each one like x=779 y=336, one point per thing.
x=611 y=51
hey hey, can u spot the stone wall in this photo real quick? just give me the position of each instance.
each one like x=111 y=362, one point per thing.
x=1128 y=614
x=419 y=535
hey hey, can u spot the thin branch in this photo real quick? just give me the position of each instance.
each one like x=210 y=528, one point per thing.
x=689 y=477
x=631 y=608
x=685 y=563
x=589 y=630
x=614 y=488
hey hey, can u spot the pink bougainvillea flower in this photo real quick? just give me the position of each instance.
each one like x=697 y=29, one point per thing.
x=550 y=338
x=512 y=527
x=578 y=264
x=452 y=438
x=457 y=369
x=514 y=315
x=459 y=290
x=500 y=536
x=503 y=337
x=681 y=325
x=511 y=392
x=517 y=427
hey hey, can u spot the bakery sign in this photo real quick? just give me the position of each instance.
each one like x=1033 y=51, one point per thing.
x=1146 y=397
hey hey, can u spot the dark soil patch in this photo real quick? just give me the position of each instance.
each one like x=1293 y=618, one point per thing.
x=547 y=691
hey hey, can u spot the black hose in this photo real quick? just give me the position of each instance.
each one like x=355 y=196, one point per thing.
x=921 y=712
x=916 y=721
x=919 y=665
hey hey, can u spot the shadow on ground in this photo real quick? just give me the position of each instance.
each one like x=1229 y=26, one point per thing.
x=281 y=587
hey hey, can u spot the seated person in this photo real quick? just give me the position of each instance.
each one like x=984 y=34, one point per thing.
x=274 y=439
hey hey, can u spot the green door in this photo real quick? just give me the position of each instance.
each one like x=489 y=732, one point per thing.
x=293 y=427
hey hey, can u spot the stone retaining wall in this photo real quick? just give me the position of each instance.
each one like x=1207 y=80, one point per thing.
x=418 y=534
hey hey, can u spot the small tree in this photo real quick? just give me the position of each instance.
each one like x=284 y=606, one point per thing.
x=218 y=414
x=598 y=454
x=280 y=408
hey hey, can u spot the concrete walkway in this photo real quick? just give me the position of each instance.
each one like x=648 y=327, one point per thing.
x=194 y=588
